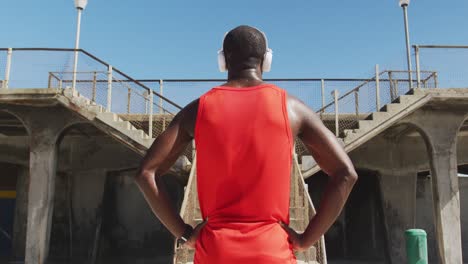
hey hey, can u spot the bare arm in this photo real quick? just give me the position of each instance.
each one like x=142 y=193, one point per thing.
x=158 y=160
x=333 y=160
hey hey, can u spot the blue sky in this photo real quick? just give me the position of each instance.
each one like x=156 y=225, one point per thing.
x=179 y=39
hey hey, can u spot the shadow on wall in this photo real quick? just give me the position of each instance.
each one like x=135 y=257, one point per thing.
x=358 y=234
x=111 y=221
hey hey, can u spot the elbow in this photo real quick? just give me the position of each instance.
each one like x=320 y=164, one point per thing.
x=144 y=175
x=347 y=175
x=351 y=176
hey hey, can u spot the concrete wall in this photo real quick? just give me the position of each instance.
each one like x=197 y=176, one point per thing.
x=464 y=216
x=88 y=167
x=89 y=189
x=359 y=232
x=128 y=233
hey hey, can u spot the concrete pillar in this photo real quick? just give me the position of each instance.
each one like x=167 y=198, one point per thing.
x=42 y=166
x=441 y=127
x=446 y=197
x=44 y=125
x=399 y=203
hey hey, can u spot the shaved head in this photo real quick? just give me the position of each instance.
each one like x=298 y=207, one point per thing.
x=244 y=48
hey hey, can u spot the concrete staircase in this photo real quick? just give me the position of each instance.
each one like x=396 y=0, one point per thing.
x=301 y=206
x=374 y=124
x=109 y=122
x=301 y=211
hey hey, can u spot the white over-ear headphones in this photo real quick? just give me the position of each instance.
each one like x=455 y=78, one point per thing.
x=267 y=58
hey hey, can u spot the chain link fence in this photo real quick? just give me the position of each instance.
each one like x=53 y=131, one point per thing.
x=345 y=110
x=314 y=92
x=341 y=103
x=94 y=79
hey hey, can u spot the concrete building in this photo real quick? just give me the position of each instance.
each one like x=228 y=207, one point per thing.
x=67 y=157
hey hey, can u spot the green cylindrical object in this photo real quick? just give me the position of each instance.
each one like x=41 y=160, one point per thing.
x=416 y=246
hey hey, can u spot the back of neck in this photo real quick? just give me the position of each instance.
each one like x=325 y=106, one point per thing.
x=244 y=78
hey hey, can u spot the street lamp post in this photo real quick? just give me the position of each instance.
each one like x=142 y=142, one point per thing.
x=80 y=6
x=404 y=4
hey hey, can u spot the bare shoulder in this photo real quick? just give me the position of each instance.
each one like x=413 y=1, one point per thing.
x=187 y=117
x=299 y=114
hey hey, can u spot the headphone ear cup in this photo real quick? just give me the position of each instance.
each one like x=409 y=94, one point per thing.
x=267 y=60
x=222 y=61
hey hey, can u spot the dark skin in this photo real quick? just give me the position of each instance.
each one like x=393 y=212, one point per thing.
x=304 y=123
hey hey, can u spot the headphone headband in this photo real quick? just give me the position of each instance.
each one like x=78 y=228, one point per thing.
x=263 y=34
x=267 y=58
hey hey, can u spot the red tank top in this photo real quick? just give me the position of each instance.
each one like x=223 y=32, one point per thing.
x=244 y=155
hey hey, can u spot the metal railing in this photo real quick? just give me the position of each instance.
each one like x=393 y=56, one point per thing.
x=315 y=92
x=345 y=111
x=341 y=103
x=449 y=61
x=95 y=79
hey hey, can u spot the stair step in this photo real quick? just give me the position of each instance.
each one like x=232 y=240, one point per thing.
x=124 y=124
x=417 y=91
x=391 y=107
x=379 y=116
x=109 y=116
x=96 y=108
x=348 y=132
x=148 y=141
x=406 y=99
x=141 y=133
x=84 y=99
x=365 y=124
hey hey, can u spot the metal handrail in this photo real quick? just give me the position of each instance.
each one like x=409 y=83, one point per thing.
x=441 y=46
x=101 y=62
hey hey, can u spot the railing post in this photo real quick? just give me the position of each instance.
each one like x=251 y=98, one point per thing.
x=150 y=116
x=49 y=84
x=390 y=80
x=337 y=125
x=109 y=88
x=161 y=109
x=356 y=100
x=323 y=92
x=418 y=69
x=377 y=87
x=6 y=82
x=436 y=81
x=94 y=86
x=129 y=97
x=161 y=86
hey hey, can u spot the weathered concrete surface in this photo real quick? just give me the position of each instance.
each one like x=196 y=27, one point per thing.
x=408 y=148
x=84 y=155
x=402 y=148
x=463 y=183
x=440 y=127
x=425 y=216
x=399 y=204
x=42 y=168
x=21 y=214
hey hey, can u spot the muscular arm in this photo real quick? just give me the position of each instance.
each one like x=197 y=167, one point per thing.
x=333 y=160
x=160 y=157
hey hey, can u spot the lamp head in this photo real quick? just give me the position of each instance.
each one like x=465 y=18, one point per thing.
x=404 y=3
x=81 y=4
